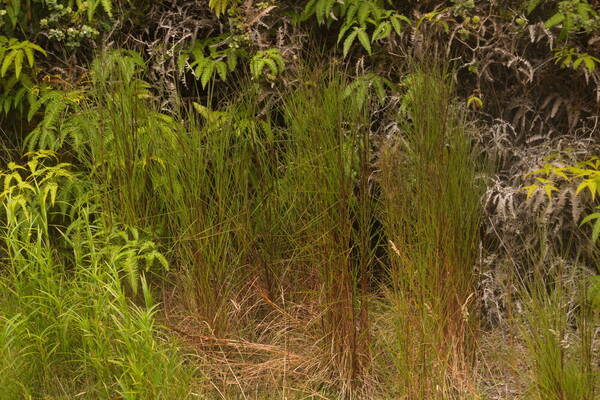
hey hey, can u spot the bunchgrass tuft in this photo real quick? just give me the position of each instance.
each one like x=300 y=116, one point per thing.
x=431 y=208
x=559 y=328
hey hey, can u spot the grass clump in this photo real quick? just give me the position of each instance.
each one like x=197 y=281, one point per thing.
x=324 y=196
x=558 y=329
x=431 y=208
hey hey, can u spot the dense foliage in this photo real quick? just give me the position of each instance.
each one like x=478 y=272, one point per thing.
x=341 y=199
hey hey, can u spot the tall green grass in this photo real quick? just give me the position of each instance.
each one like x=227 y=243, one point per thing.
x=217 y=178
x=265 y=208
x=327 y=208
x=118 y=133
x=431 y=208
x=558 y=327
x=275 y=204
x=190 y=176
x=257 y=194
x=69 y=326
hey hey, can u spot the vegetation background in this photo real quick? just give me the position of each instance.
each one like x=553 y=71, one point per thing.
x=322 y=199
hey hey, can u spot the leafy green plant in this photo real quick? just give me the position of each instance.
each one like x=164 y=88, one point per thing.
x=13 y=52
x=367 y=21
x=55 y=105
x=67 y=323
x=12 y=11
x=90 y=7
x=18 y=86
x=124 y=245
x=210 y=59
x=270 y=59
x=220 y=6
x=15 y=92
x=66 y=23
x=573 y=16
x=58 y=108
x=81 y=7
x=359 y=89
x=30 y=191
x=586 y=173
x=570 y=57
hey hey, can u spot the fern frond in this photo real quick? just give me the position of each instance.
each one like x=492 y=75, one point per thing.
x=219 y=6
x=107 y=5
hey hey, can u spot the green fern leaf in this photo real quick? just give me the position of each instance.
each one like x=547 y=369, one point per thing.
x=258 y=68
x=107 y=5
x=130 y=265
x=590 y=63
x=181 y=62
x=91 y=9
x=35 y=106
x=309 y=10
x=269 y=62
x=280 y=62
x=19 y=97
x=7 y=62
x=554 y=20
x=221 y=70
x=35 y=47
x=361 y=95
x=218 y=6
x=232 y=60
x=351 y=13
x=348 y=42
x=29 y=54
x=10 y=83
x=584 y=10
x=383 y=31
x=320 y=7
x=396 y=25
x=343 y=31
x=18 y=63
x=363 y=38
x=202 y=63
x=153 y=256
x=329 y=6
x=350 y=88
x=6 y=103
x=363 y=12
x=207 y=74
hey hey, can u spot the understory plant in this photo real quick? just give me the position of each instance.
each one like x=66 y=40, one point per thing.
x=277 y=207
x=585 y=174
x=238 y=199
x=431 y=208
x=559 y=328
x=70 y=324
x=329 y=209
